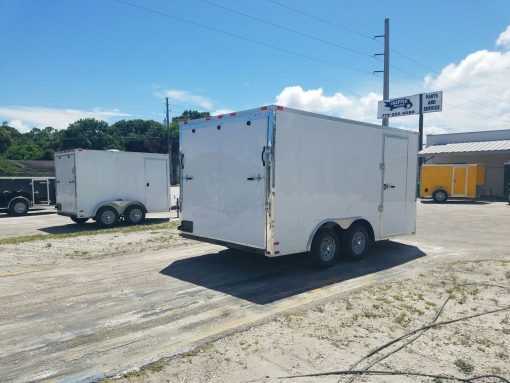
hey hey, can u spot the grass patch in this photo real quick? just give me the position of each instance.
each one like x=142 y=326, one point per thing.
x=95 y=231
x=464 y=366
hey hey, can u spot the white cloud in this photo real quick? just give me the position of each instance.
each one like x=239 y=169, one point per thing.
x=504 y=38
x=24 y=118
x=221 y=111
x=476 y=96
x=18 y=124
x=314 y=100
x=186 y=97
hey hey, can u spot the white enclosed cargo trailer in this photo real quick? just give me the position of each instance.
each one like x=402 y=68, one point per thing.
x=111 y=185
x=281 y=181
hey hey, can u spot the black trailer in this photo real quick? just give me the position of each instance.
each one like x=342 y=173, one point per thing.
x=18 y=194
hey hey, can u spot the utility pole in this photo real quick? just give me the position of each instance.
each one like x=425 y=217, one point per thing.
x=169 y=151
x=386 y=86
x=386 y=71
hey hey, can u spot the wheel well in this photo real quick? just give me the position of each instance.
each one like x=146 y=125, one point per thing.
x=339 y=230
x=19 y=197
x=440 y=189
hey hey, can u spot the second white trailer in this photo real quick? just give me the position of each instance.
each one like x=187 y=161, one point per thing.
x=281 y=181
x=108 y=186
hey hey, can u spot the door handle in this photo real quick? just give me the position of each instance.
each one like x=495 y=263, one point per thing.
x=188 y=178
x=262 y=156
x=258 y=178
x=388 y=186
x=147 y=184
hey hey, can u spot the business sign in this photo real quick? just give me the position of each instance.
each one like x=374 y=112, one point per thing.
x=432 y=102
x=405 y=106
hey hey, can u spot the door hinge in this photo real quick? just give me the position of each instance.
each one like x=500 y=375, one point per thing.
x=267 y=206
x=380 y=208
x=381 y=166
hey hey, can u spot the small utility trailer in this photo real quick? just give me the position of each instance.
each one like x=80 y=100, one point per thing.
x=280 y=181
x=442 y=181
x=109 y=186
x=18 y=194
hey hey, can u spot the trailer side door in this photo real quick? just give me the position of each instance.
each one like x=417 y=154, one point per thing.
x=394 y=188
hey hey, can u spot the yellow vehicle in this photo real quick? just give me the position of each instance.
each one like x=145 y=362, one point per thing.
x=442 y=181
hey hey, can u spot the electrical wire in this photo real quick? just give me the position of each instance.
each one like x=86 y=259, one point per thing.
x=420 y=331
x=287 y=29
x=398 y=373
x=240 y=37
x=309 y=15
x=324 y=21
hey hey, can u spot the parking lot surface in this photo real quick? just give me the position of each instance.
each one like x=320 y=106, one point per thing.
x=78 y=318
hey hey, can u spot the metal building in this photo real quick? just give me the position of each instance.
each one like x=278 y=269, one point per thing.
x=490 y=148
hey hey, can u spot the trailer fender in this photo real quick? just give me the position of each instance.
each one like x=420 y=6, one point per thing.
x=20 y=197
x=341 y=224
x=120 y=206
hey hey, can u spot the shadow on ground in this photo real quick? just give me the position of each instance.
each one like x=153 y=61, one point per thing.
x=91 y=226
x=263 y=280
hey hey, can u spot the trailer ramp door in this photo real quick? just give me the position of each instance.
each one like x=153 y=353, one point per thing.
x=241 y=202
x=65 y=176
x=223 y=180
x=394 y=186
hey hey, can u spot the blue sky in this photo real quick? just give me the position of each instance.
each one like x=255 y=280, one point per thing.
x=62 y=60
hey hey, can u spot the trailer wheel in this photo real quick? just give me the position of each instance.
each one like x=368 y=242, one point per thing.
x=325 y=247
x=440 y=196
x=107 y=216
x=79 y=221
x=355 y=242
x=18 y=207
x=134 y=214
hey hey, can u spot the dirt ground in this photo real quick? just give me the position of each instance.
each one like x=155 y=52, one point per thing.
x=336 y=335
x=148 y=306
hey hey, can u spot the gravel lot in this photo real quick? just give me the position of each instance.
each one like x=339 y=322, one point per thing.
x=83 y=307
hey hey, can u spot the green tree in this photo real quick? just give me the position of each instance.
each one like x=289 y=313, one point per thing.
x=88 y=133
x=140 y=135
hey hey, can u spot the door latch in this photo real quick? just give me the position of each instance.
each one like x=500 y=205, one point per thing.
x=258 y=178
x=388 y=186
x=188 y=178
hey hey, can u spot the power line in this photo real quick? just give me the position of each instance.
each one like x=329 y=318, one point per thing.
x=287 y=29
x=230 y=34
x=391 y=49
x=321 y=19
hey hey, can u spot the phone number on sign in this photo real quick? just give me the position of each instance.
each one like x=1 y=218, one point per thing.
x=397 y=114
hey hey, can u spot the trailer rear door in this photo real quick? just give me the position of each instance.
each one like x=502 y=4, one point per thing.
x=394 y=186
x=241 y=202
x=223 y=180
x=200 y=175
x=65 y=179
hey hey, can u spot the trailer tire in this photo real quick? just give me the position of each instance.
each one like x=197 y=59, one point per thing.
x=18 y=207
x=79 y=221
x=107 y=216
x=325 y=247
x=134 y=214
x=355 y=242
x=440 y=196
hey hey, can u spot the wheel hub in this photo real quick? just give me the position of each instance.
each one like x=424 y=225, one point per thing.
x=358 y=243
x=328 y=248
